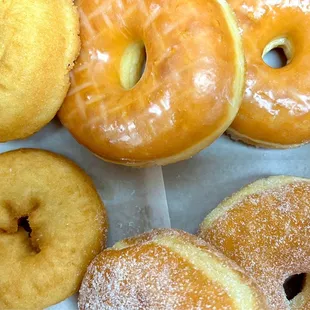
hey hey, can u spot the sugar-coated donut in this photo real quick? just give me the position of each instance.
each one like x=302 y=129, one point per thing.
x=190 y=90
x=275 y=112
x=68 y=227
x=166 y=269
x=265 y=229
x=38 y=44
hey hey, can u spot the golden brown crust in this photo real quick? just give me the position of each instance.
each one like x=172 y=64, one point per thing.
x=166 y=269
x=39 y=43
x=264 y=228
x=190 y=89
x=68 y=222
x=275 y=110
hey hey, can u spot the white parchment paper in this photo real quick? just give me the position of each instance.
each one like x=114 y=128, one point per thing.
x=197 y=186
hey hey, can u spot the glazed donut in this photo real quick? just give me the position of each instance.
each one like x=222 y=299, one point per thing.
x=52 y=224
x=38 y=44
x=166 y=269
x=275 y=112
x=265 y=229
x=188 y=95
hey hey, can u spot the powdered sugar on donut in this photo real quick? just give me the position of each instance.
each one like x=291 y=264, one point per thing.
x=267 y=234
x=156 y=271
x=140 y=283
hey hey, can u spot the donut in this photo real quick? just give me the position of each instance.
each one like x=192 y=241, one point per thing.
x=38 y=44
x=265 y=229
x=166 y=269
x=52 y=224
x=275 y=111
x=188 y=95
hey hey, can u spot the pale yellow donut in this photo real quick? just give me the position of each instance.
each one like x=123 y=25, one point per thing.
x=68 y=222
x=38 y=44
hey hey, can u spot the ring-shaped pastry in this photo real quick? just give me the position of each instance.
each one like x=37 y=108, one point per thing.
x=265 y=229
x=52 y=224
x=189 y=92
x=275 y=111
x=39 y=42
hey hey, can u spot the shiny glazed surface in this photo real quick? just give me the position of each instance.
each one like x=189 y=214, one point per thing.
x=265 y=229
x=166 y=269
x=189 y=92
x=276 y=107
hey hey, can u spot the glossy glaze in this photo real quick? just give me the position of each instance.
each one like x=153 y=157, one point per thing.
x=276 y=107
x=188 y=95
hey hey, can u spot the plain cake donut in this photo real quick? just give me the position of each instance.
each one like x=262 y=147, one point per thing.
x=189 y=92
x=265 y=229
x=38 y=44
x=275 y=111
x=166 y=269
x=52 y=224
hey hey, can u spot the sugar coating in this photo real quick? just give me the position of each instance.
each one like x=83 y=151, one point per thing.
x=144 y=284
x=146 y=275
x=267 y=234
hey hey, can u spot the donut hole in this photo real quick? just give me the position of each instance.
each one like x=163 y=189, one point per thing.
x=276 y=58
x=132 y=65
x=294 y=285
x=23 y=223
x=278 y=53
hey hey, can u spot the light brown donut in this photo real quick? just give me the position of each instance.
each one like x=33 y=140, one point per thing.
x=265 y=229
x=275 y=111
x=166 y=269
x=38 y=44
x=189 y=93
x=68 y=222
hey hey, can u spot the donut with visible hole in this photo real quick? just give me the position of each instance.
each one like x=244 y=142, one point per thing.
x=265 y=229
x=188 y=95
x=275 y=111
x=52 y=224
